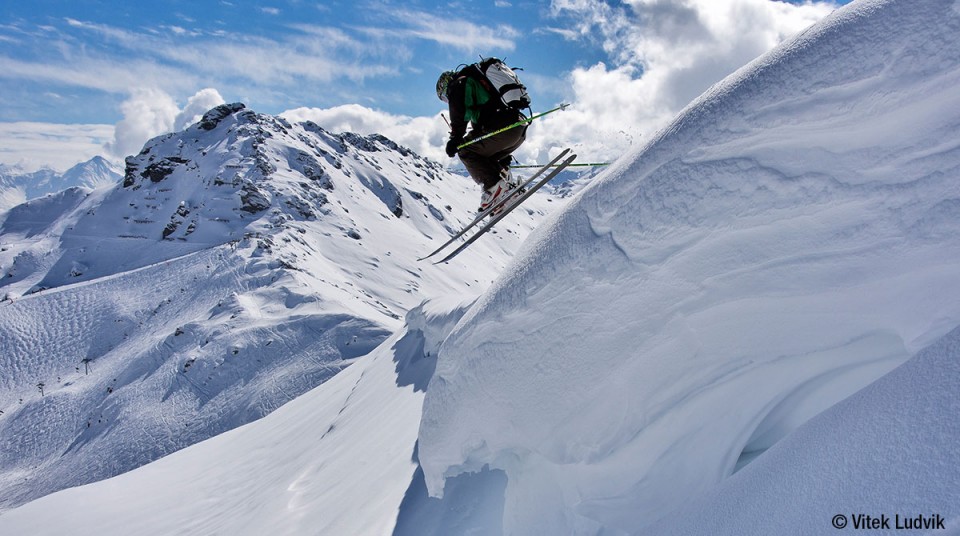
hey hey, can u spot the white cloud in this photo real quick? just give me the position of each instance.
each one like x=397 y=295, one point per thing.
x=150 y=112
x=270 y=10
x=197 y=105
x=32 y=145
x=610 y=108
x=318 y=55
x=456 y=33
x=178 y=60
x=147 y=113
x=102 y=74
x=424 y=135
x=663 y=54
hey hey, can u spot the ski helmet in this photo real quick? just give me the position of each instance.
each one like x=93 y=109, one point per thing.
x=442 y=83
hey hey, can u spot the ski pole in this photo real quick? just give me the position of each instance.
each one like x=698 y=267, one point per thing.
x=515 y=125
x=593 y=164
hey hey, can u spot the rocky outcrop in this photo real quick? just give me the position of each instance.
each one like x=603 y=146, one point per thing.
x=211 y=119
x=253 y=199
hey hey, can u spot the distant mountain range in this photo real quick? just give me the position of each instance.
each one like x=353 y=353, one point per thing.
x=17 y=185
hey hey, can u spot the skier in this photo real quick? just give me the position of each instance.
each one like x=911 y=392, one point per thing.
x=488 y=160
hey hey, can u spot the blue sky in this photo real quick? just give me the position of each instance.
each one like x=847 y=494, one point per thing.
x=379 y=54
x=365 y=64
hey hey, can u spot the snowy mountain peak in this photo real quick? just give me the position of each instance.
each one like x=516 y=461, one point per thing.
x=239 y=263
x=17 y=186
x=235 y=164
x=237 y=175
x=94 y=173
x=211 y=119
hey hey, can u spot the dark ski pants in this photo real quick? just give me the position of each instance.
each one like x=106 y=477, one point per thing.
x=485 y=159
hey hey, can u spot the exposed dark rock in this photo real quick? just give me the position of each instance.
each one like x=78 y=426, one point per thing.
x=264 y=165
x=387 y=142
x=363 y=143
x=176 y=220
x=398 y=206
x=170 y=228
x=158 y=171
x=253 y=199
x=302 y=207
x=129 y=178
x=211 y=119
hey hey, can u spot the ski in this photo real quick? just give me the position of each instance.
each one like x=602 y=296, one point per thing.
x=509 y=207
x=504 y=198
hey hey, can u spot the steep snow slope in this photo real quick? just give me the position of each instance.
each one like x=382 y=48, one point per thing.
x=337 y=460
x=792 y=236
x=240 y=263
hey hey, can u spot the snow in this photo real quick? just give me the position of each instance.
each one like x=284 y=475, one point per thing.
x=232 y=269
x=18 y=185
x=336 y=460
x=890 y=449
x=747 y=326
x=788 y=239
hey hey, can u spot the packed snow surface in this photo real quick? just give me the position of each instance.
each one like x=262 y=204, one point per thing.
x=791 y=237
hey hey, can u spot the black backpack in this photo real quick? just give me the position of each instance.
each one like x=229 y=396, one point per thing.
x=499 y=79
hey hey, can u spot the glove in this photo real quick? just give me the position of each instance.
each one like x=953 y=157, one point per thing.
x=452 y=146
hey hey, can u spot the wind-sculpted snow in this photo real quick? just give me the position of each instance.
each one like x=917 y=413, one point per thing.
x=888 y=450
x=791 y=237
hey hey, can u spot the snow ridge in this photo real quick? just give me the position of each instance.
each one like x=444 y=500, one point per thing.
x=788 y=239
